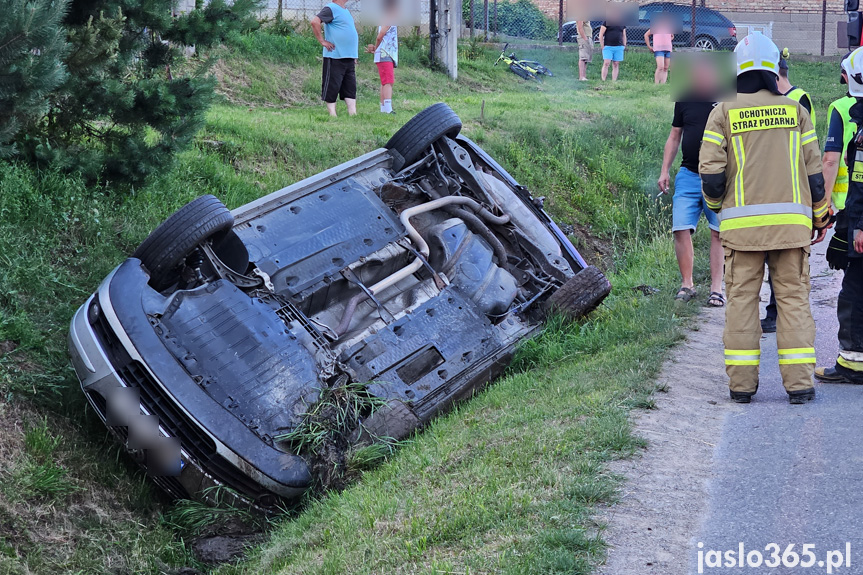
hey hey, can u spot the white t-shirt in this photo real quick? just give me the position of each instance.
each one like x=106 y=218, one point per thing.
x=388 y=51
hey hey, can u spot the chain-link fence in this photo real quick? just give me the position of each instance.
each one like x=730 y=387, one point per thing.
x=814 y=27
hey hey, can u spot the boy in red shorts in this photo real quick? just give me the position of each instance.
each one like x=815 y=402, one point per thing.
x=386 y=51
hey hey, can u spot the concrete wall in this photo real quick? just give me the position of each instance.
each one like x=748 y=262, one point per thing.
x=800 y=33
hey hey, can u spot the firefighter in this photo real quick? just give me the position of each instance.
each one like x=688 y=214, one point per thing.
x=849 y=306
x=761 y=170
x=840 y=131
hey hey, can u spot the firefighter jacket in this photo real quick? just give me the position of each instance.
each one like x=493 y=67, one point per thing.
x=760 y=166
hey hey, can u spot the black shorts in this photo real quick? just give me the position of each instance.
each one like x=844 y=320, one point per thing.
x=339 y=79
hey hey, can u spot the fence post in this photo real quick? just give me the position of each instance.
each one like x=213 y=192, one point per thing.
x=560 y=24
x=823 y=24
x=470 y=7
x=485 y=19
x=692 y=39
x=496 y=29
x=279 y=12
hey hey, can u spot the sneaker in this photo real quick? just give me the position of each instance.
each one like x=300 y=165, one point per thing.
x=768 y=325
x=830 y=375
x=741 y=396
x=802 y=396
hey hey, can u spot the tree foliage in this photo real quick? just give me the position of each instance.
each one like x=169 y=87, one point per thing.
x=132 y=97
x=32 y=43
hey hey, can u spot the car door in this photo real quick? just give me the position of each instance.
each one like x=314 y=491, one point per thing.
x=635 y=34
x=684 y=38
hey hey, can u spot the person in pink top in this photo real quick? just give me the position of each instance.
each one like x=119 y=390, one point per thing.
x=662 y=33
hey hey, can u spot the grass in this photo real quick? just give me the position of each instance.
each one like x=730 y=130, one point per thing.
x=509 y=481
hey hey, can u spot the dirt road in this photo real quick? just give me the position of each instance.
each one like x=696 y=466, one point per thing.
x=721 y=474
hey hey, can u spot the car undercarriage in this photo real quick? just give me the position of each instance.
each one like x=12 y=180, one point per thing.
x=414 y=270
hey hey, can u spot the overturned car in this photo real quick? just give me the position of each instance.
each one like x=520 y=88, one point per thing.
x=414 y=269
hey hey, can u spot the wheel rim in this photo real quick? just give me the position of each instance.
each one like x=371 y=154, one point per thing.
x=705 y=44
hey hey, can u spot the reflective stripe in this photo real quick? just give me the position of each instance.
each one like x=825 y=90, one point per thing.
x=713 y=137
x=740 y=159
x=852 y=365
x=794 y=156
x=819 y=213
x=798 y=355
x=856 y=356
x=809 y=137
x=762 y=221
x=766 y=210
x=713 y=204
x=742 y=356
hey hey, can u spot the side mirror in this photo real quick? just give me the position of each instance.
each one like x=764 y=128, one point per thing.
x=852 y=5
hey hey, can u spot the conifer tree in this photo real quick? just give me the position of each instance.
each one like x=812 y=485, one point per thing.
x=32 y=43
x=131 y=99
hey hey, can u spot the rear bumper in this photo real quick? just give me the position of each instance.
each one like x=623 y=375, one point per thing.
x=112 y=344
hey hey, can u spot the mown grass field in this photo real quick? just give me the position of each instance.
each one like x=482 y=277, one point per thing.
x=508 y=482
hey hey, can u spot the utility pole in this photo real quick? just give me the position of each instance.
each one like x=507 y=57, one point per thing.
x=444 y=29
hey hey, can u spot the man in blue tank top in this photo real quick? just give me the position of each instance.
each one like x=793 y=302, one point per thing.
x=335 y=30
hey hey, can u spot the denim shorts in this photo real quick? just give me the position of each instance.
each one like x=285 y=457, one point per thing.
x=662 y=53
x=688 y=203
x=614 y=53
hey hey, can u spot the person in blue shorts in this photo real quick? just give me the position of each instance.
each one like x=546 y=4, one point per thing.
x=687 y=128
x=612 y=39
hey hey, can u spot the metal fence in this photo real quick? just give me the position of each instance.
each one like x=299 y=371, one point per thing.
x=812 y=27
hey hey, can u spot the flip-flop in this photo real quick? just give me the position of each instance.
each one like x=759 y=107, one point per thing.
x=716 y=299
x=685 y=294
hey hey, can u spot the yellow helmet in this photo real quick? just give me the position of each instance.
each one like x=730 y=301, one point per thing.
x=757 y=52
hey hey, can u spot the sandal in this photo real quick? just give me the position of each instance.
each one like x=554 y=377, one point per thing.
x=685 y=294
x=716 y=299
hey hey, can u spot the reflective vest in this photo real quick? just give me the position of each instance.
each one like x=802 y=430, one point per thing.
x=840 y=188
x=797 y=94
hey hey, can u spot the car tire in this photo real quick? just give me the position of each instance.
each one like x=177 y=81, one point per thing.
x=579 y=295
x=420 y=132
x=204 y=218
x=706 y=44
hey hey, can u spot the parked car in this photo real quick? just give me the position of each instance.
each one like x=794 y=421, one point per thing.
x=414 y=270
x=713 y=31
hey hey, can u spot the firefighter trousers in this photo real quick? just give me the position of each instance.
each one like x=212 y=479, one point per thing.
x=795 y=327
x=849 y=309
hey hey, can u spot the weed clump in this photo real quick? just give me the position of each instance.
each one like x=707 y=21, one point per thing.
x=324 y=437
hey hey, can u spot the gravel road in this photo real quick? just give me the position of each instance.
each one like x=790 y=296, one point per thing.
x=721 y=474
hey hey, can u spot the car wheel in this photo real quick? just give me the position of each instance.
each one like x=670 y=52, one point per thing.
x=420 y=132
x=580 y=295
x=706 y=44
x=202 y=219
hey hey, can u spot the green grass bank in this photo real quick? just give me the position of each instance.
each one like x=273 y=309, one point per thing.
x=506 y=483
